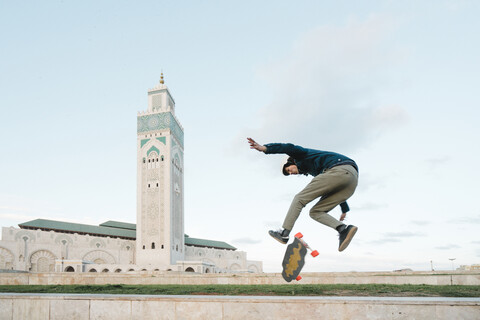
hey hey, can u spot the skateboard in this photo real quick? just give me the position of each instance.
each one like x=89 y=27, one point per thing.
x=294 y=258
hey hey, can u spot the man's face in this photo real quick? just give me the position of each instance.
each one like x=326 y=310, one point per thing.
x=292 y=169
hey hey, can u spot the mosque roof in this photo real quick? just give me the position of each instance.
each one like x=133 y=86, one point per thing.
x=207 y=243
x=114 y=229
x=68 y=227
x=120 y=225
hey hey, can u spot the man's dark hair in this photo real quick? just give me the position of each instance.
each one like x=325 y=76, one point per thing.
x=290 y=161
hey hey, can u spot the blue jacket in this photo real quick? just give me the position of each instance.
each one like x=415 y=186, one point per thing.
x=311 y=161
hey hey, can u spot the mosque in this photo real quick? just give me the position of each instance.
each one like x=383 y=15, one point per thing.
x=157 y=242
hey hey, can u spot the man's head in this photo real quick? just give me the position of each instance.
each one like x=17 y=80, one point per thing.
x=290 y=167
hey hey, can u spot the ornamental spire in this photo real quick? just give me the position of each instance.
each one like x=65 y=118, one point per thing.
x=161 y=78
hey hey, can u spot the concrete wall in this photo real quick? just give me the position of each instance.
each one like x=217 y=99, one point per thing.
x=119 y=307
x=431 y=278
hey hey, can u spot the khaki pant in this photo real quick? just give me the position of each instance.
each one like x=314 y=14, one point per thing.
x=333 y=187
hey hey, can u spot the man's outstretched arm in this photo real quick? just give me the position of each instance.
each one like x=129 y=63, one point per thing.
x=256 y=146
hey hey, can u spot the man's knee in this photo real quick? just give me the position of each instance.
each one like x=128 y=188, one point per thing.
x=315 y=215
x=300 y=200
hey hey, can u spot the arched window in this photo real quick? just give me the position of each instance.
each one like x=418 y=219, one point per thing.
x=153 y=245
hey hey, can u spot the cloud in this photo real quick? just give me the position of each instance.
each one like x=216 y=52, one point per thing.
x=448 y=247
x=420 y=222
x=395 y=237
x=465 y=220
x=326 y=92
x=438 y=161
x=384 y=241
x=246 y=241
x=405 y=234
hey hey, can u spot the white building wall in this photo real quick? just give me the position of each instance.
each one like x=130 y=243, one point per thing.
x=37 y=251
x=49 y=251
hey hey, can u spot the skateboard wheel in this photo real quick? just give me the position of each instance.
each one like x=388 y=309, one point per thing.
x=314 y=253
x=298 y=278
x=299 y=235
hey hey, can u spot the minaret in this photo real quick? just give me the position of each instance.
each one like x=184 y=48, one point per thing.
x=160 y=224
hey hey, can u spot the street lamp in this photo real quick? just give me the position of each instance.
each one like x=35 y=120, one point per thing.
x=452 y=259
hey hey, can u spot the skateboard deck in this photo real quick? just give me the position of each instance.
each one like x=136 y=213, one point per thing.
x=294 y=258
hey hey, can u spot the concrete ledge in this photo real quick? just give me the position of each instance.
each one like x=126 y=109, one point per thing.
x=430 y=278
x=52 y=306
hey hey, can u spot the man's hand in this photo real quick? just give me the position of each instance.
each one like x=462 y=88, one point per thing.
x=256 y=146
x=343 y=216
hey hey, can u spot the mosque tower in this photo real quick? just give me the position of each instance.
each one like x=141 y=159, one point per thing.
x=160 y=198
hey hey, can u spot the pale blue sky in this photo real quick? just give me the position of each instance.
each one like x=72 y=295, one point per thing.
x=391 y=84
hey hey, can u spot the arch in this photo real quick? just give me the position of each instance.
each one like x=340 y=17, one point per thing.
x=105 y=270
x=99 y=257
x=253 y=268
x=153 y=149
x=92 y=270
x=60 y=239
x=6 y=258
x=130 y=270
x=235 y=267
x=97 y=243
x=177 y=159
x=127 y=245
x=25 y=233
x=189 y=269
x=69 y=269
x=201 y=253
x=42 y=261
x=118 y=270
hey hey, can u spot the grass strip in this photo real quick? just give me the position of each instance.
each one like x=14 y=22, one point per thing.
x=406 y=290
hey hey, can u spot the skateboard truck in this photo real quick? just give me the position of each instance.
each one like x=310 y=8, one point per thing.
x=314 y=253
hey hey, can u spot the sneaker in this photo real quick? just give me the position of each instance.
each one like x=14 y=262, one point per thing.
x=346 y=236
x=277 y=235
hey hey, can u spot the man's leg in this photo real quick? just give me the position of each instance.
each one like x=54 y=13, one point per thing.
x=321 y=185
x=315 y=189
x=344 y=180
x=330 y=201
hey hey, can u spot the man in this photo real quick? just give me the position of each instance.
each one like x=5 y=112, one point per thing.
x=335 y=180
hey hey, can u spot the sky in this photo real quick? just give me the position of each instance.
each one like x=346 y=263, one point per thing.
x=390 y=84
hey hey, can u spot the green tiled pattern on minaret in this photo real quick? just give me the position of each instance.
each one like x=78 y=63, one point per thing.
x=143 y=142
x=153 y=149
x=160 y=121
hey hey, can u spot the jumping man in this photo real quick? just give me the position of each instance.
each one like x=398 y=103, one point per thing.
x=335 y=180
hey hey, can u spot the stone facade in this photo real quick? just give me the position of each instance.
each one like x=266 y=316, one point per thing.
x=50 y=251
